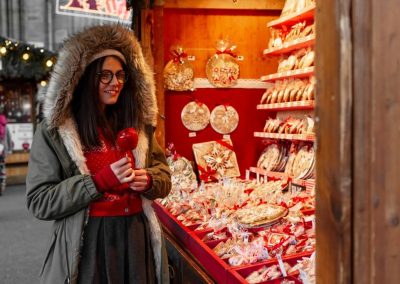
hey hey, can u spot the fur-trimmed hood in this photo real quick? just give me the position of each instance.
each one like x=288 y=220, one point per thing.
x=73 y=60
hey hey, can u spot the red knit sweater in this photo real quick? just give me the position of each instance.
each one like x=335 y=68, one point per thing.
x=118 y=199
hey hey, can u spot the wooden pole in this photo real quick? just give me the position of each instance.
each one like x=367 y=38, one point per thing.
x=334 y=142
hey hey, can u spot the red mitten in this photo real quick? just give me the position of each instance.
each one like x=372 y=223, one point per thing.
x=105 y=179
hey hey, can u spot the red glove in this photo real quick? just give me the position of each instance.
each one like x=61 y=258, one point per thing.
x=105 y=179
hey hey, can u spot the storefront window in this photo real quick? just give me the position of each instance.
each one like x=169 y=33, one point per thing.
x=16 y=99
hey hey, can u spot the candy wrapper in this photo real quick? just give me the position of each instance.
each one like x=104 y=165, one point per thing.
x=182 y=174
x=178 y=73
x=222 y=69
x=216 y=159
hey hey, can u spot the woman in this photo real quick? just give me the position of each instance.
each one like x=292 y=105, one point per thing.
x=105 y=230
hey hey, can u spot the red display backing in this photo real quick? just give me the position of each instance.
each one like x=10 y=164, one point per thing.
x=246 y=146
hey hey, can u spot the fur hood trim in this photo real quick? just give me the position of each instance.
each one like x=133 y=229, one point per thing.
x=75 y=56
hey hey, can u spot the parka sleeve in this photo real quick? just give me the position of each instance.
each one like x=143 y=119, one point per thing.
x=52 y=191
x=160 y=173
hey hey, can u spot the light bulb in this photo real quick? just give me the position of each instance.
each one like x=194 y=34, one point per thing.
x=25 y=56
x=49 y=63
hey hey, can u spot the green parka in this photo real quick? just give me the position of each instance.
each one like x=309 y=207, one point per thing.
x=59 y=185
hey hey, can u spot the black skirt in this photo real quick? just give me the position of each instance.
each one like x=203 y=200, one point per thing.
x=117 y=250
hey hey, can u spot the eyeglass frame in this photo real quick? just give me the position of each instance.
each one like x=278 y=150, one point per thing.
x=109 y=72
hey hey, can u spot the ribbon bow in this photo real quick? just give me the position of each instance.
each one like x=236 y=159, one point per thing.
x=207 y=174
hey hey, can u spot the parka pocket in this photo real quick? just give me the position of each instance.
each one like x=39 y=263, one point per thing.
x=50 y=251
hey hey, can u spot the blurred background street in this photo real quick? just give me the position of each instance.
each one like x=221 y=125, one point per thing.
x=22 y=239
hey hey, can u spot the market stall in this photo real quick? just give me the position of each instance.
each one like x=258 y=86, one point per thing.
x=238 y=94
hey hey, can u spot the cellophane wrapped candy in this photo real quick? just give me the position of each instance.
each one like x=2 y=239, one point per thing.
x=178 y=73
x=222 y=69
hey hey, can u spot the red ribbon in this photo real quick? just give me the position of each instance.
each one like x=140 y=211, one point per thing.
x=227 y=51
x=176 y=156
x=226 y=106
x=207 y=174
x=178 y=57
x=198 y=102
x=225 y=144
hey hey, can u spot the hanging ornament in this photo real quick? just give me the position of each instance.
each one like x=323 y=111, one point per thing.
x=222 y=69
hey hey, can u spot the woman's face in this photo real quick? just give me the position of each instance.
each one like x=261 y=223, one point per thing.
x=112 y=78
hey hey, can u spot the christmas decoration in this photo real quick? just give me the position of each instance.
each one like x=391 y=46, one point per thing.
x=24 y=61
x=216 y=159
x=178 y=73
x=222 y=70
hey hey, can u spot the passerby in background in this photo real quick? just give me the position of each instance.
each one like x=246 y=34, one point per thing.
x=5 y=149
x=105 y=229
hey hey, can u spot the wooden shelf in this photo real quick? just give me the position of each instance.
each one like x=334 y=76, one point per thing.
x=299 y=105
x=291 y=45
x=293 y=18
x=299 y=73
x=300 y=137
x=223 y=4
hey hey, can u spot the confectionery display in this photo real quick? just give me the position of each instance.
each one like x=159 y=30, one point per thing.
x=296 y=6
x=290 y=125
x=290 y=90
x=259 y=228
x=224 y=119
x=183 y=176
x=300 y=31
x=195 y=116
x=222 y=69
x=250 y=222
x=216 y=159
x=178 y=72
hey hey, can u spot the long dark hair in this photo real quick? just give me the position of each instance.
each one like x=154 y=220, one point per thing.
x=89 y=115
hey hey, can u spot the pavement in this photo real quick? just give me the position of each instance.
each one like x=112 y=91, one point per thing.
x=22 y=239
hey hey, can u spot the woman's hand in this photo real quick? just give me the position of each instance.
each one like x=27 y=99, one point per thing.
x=140 y=181
x=122 y=169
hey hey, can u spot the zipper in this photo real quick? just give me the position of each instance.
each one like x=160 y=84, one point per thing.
x=66 y=251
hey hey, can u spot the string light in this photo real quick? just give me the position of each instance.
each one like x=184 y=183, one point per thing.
x=49 y=63
x=37 y=62
x=43 y=83
x=25 y=56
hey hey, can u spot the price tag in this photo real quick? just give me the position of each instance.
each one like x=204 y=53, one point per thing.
x=281 y=265
x=296 y=188
x=192 y=134
x=226 y=136
x=247 y=174
x=191 y=58
x=313 y=223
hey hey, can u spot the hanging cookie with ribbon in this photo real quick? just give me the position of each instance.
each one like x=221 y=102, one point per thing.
x=178 y=73
x=222 y=69
x=224 y=119
x=195 y=116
